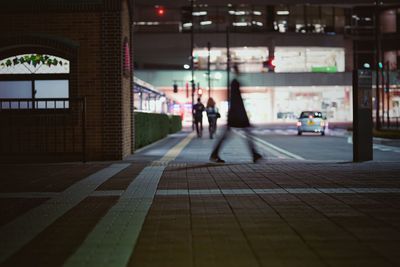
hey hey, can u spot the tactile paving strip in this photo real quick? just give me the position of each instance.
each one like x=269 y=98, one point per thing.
x=114 y=237
x=23 y=229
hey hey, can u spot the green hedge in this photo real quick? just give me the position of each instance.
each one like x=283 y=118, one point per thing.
x=175 y=124
x=150 y=127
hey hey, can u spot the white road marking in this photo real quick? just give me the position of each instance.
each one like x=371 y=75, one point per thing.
x=380 y=147
x=386 y=148
x=273 y=147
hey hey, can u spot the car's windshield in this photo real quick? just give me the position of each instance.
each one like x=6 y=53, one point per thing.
x=310 y=114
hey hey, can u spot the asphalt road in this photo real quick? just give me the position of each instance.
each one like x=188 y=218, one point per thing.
x=335 y=146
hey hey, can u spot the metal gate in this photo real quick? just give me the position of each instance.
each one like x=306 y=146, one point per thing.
x=43 y=129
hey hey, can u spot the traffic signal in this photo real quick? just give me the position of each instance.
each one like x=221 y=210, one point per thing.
x=160 y=11
x=269 y=64
x=175 y=88
x=193 y=87
x=199 y=90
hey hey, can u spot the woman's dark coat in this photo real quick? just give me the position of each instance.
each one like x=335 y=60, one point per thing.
x=237 y=116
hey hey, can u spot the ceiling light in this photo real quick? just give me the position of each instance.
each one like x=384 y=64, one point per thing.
x=199 y=13
x=240 y=24
x=282 y=12
x=207 y=22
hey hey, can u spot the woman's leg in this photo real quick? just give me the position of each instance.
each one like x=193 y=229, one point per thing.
x=214 y=154
x=214 y=125
x=250 y=143
x=210 y=127
x=212 y=122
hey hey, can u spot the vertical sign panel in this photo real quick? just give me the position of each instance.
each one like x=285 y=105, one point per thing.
x=362 y=121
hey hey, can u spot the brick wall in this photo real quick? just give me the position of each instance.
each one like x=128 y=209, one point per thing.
x=127 y=85
x=90 y=38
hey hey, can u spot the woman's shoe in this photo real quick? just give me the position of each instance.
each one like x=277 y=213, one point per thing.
x=216 y=159
x=256 y=157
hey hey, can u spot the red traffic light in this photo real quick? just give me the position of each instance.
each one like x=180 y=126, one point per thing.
x=269 y=64
x=160 y=10
x=272 y=63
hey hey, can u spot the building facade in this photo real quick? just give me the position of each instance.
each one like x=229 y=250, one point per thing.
x=66 y=79
x=310 y=46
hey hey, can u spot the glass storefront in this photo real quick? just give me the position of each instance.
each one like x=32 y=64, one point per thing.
x=286 y=59
x=309 y=59
x=249 y=59
x=284 y=104
x=333 y=101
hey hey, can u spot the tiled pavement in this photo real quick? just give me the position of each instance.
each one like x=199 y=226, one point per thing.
x=167 y=206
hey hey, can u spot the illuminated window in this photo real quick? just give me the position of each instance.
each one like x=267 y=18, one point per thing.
x=35 y=77
x=249 y=59
x=34 y=64
x=309 y=59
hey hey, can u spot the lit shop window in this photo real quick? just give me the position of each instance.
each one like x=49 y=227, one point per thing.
x=249 y=59
x=309 y=59
x=245 y=16
x=281 y=18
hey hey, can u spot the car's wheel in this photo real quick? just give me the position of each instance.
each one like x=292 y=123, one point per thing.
x=298 y=132
x=322 y=133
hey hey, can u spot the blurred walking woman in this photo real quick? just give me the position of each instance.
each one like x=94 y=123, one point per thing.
x=212 y=115
x=237 y=118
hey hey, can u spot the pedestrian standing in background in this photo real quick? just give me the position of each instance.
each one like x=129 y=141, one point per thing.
x=237 y=118
x=212 y=115
x=198 y=109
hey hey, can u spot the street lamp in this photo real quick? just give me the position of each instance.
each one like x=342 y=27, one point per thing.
x=191 y=56
x=228 y=64
x=209 y=69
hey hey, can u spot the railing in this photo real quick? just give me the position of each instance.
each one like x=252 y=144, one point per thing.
x=391 y=123
x=43 y=129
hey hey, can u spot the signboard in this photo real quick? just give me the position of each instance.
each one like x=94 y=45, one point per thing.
x=362 y=112
x=365 y=89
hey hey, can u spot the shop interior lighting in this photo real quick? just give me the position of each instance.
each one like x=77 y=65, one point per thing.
x=147 y=23
x=257 y=23
x=237 y=13
x=218 y=75
x=206 y=22
x=240 y=24
x=199 y=13
x=282 y=12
